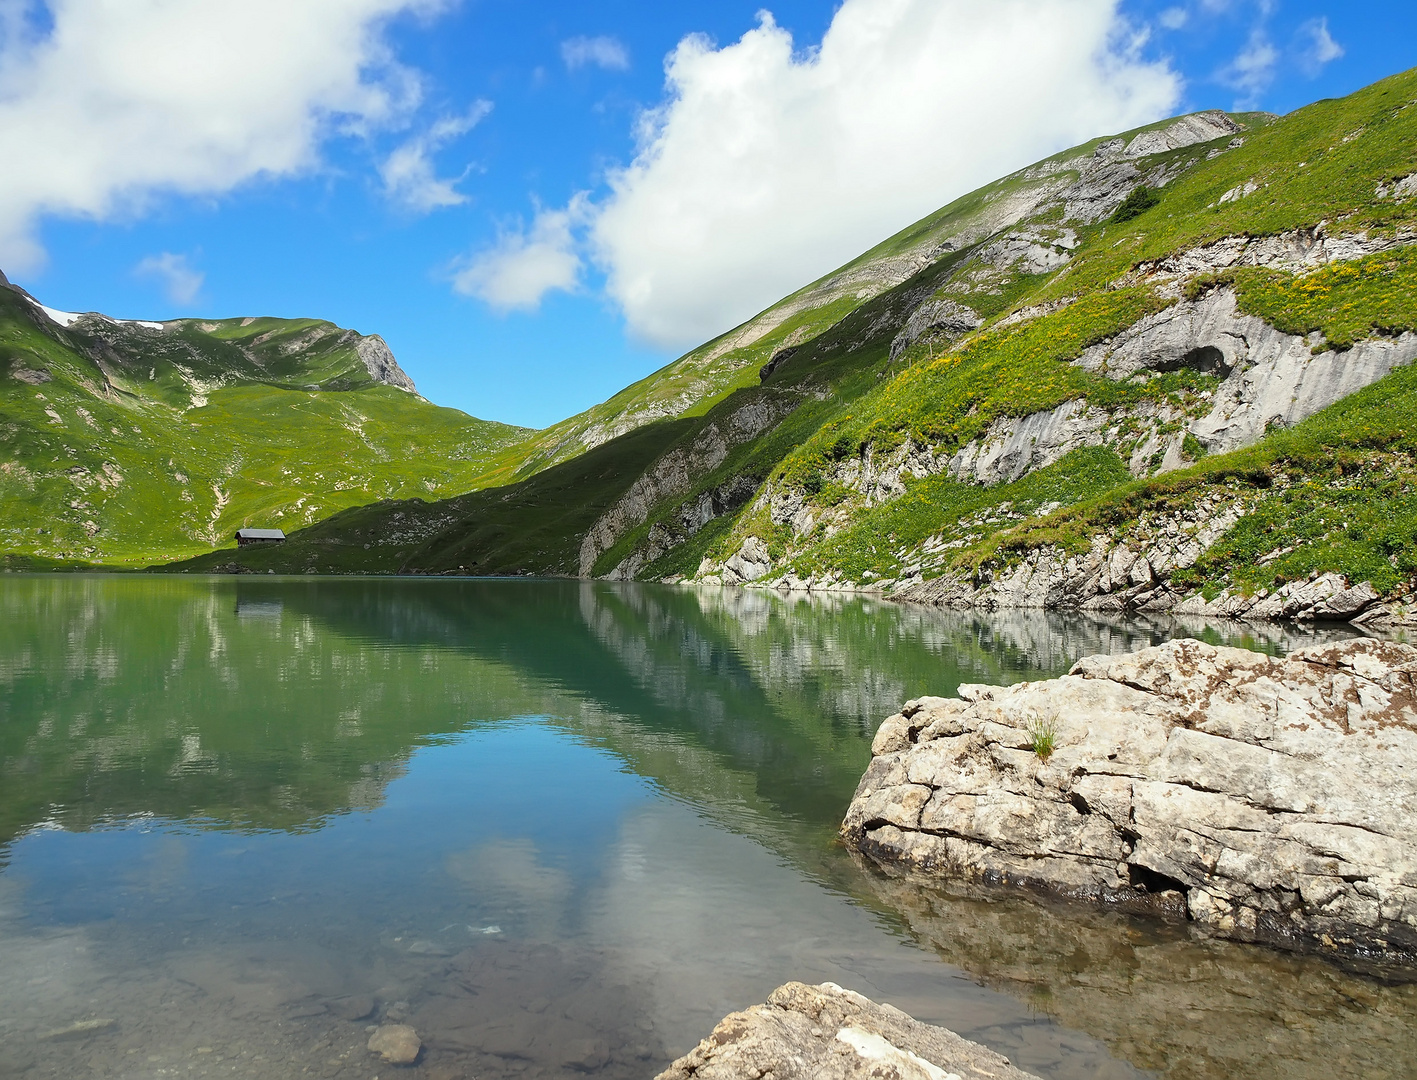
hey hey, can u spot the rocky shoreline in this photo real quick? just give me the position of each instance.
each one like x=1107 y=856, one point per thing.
x=1108 y=580
x=1265 y=800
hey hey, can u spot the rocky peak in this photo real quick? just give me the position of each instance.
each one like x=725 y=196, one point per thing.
x=380 y=363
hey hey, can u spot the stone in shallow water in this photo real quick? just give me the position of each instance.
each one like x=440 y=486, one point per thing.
x=78 y=1029
x=827 y=1033
x=398 y=1044
x=354 y=1007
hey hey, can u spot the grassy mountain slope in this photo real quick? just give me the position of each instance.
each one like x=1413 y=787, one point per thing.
x=692 y=384
x=1337 y=163
x=532 y=526
x=126 y=443
x=860 y=456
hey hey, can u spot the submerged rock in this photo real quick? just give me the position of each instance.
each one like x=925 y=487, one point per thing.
x=827 y=1033
x=79 y=1029
x=398 y=1044
x=1268 y=800
x=354 y=1007
x=1166 y=1003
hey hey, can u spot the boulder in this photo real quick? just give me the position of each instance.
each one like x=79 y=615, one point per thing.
x=750 y=562
x=397 y=1044
x=827 y=1033
x=1267 y=800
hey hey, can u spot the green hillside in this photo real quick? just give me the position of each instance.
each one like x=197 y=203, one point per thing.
x=532 y=526
x=126 y=444
x=1204 y=325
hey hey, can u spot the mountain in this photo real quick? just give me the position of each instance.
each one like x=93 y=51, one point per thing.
x=126 y=442
x=1166 y=369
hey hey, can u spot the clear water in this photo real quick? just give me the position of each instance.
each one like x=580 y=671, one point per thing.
x=559 y=828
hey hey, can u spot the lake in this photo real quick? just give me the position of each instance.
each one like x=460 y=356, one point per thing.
x=561 y=828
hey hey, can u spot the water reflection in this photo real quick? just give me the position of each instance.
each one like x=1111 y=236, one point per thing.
x=557 y=826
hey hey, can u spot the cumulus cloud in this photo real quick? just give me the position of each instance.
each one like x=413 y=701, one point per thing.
x=1173 y=18
x=410 y=178
x=179 y=280
x=602 y=51
x=113 y=102
x=1317 y=47
x=767 y=166
x=525 y=264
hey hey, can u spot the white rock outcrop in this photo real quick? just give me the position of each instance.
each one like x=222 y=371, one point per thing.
x=827 y=1033
x=380 y=363
x=1270 y=377
x=1267 y=800
x=1187 y=131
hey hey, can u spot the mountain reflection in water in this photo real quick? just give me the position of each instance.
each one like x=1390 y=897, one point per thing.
x=554 y=825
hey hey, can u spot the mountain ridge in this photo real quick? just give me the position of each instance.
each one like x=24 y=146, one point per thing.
x=1076 y=386
x=126 y=441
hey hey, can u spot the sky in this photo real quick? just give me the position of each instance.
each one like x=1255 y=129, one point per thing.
x=537 y=203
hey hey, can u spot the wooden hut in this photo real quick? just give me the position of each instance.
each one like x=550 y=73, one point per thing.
x=259 y=536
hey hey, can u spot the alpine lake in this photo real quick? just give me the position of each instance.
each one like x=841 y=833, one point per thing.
x=560 y=828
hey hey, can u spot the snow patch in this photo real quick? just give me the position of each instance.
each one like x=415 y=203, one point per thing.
x=63 y=318
x=68 y=318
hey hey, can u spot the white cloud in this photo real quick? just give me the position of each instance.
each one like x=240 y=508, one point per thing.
x=1252 y=70
x=408 y=173
x=524 y=265
x=603 y=51
x=1318 y=47
x=179 y=280
x=118 y=101
x=1173 y=18
x=766 y=166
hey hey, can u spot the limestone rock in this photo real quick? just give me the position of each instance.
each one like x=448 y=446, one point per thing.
x=397 y=1044
x=751 y=562
x=946 y=317
x=827 y=1033
x=1268 y=800
x=1133 y=575
x=674 y=474
x=1270 y=377
x=380 y=363
x=1187 y=131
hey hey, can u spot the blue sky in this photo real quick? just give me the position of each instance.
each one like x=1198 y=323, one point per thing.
x=518 y=200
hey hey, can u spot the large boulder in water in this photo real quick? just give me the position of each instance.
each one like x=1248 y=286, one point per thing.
x=826 y=1033
x=1269 y=800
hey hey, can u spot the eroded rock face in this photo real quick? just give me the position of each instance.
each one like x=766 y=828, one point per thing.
x=1270 y=377
x=1267 y=800
x=675 y=473
x=827 y=1033
x=945 y=317
x=380 y=363
x=1187 y=131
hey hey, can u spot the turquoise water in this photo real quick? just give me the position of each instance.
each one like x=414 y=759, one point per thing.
x=560 y=828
